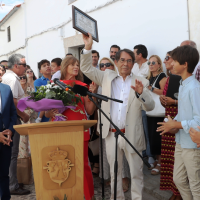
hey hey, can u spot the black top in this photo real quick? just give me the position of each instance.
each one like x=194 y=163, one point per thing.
x=173 y=87
x=153 y=79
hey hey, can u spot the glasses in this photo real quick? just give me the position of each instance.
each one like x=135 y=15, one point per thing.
x=22 y=77
x=129 y=61
x=29 y=72
x=24 y=64
x=167 y=58
x=106 y=65
x=151 y=63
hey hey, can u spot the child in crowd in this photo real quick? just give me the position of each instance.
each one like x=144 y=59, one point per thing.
x=55 y=68
x=187 y=154
x=45 y=70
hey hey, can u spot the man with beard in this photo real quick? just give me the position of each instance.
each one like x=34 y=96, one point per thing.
x=113 y=50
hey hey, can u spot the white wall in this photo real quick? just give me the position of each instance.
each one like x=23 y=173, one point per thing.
x=194 y=21
x=157 y=24
x=17 y=27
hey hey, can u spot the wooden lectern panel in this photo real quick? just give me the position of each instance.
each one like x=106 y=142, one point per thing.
x=57 y=138
x=56 y=149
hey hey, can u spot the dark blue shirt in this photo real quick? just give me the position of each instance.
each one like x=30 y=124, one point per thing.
x=37 y=83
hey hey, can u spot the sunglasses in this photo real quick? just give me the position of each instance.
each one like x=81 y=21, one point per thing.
x=22 y=77
x=151 y=63
x=24 y=64
x=106 y=64
x=167 y=58
x=29 y=72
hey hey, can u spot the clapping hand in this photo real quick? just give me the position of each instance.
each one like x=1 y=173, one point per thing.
x=166 y=101
x=93 y=87
x=138 y=87
x=6 y=140
x=195 y=136
x=88 y=41
x=167 y=126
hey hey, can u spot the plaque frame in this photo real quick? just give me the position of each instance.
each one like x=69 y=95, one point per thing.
x=74 y=9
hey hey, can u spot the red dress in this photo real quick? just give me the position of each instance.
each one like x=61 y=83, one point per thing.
x=79 y=114
x=167 y=152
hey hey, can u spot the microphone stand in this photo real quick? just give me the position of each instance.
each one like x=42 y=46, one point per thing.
x=117 y=133
x=101 y=144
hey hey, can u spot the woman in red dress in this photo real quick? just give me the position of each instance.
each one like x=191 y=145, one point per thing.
x=170 y=103
x=70 y=75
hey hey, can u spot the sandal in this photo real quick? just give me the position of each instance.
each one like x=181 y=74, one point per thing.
x=178 y=197
x=173 y=197
x=94 y=173
x=155 y=171
x=125 y=185
x=153 y=165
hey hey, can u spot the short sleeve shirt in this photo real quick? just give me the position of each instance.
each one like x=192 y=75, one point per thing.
x=11 y=79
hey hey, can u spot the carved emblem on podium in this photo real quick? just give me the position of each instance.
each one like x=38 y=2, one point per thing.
x=59 y=166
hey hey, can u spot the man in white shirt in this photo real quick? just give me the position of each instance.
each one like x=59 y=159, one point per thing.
x=55 y=68
x=127 y=116
x=140 y=68
x=16 y=68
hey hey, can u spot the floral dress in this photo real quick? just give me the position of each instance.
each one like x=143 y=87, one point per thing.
x=24 y=147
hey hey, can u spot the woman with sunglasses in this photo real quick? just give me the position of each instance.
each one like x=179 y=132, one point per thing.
x=170 y=102
x=24 y=151
x=157 y=79
x=2 y=71
x=30 y=77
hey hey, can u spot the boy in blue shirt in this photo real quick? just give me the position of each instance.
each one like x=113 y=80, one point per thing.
x=45 y=69
x=187 y=155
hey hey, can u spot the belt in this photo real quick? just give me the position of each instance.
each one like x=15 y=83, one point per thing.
x=114 y=130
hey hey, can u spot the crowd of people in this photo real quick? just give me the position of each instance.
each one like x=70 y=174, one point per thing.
x=159 y=115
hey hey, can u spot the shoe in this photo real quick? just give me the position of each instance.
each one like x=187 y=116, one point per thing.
x=96 y=173
x=19 y=191
x=156 y=171
x=173 y=197
x=153 y=165
x=21 y=185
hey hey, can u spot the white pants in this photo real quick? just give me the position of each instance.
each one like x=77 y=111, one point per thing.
x=135 y=164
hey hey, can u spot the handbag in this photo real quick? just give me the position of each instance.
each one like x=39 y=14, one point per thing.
x=159 y=110
x=94 y=145
x=24 y=169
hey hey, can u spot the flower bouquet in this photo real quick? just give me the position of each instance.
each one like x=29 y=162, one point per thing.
x=48 y=97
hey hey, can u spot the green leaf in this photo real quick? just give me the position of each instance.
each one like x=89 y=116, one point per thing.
x=50 y=95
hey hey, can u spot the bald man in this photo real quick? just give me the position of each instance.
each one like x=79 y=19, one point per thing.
x=197 y=68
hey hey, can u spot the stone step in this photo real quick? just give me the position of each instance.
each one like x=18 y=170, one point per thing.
x=152 y=186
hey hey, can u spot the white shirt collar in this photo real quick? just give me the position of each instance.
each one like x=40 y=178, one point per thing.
x=11 y=72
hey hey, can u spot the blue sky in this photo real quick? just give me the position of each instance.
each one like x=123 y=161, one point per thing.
x=9 y=4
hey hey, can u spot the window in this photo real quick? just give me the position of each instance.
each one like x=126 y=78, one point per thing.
x=70 y=1
x=9 y=35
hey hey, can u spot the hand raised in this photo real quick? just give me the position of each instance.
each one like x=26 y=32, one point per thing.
x=138 y=87
x=88 y=41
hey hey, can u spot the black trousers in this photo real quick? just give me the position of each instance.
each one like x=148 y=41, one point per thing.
x=5 y=157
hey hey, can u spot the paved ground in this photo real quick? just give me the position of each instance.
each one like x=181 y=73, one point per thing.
x=151 y=190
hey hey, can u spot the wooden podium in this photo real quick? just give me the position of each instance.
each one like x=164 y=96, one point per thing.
x=57 y=157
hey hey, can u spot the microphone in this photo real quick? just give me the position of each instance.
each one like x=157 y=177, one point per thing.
x=83 y=91
x=61 y=84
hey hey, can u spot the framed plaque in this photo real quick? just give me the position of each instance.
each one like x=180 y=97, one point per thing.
x=84 y=23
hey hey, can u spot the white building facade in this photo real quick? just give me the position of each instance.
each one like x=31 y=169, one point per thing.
x=43 y=29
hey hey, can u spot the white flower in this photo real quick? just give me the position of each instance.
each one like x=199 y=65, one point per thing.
x=48 y=90
x=48 y=86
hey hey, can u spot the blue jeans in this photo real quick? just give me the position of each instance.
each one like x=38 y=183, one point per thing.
x=146 y=152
